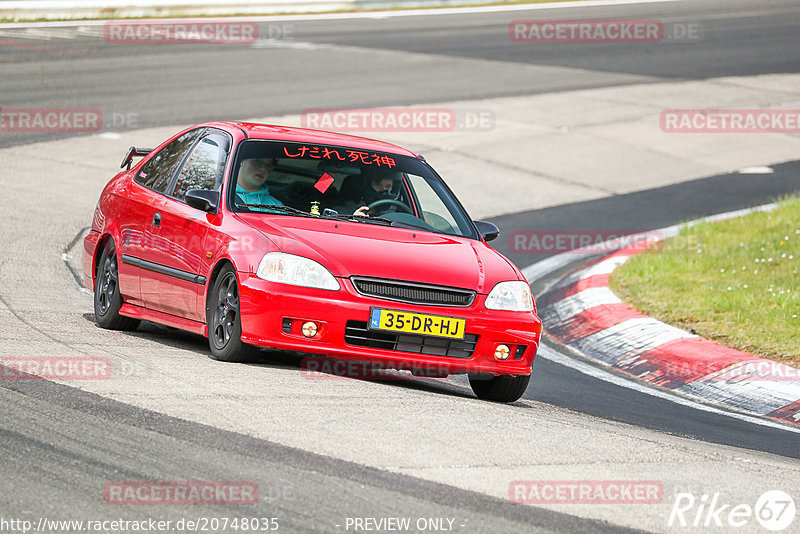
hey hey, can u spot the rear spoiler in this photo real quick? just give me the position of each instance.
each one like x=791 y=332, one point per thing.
x=133 y=152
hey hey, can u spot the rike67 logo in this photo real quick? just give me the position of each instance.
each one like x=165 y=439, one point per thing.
x=774 y=510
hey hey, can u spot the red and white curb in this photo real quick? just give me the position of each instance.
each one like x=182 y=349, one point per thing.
x=582 y=313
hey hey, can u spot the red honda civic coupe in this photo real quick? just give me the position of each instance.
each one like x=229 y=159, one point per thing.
x=260 y=236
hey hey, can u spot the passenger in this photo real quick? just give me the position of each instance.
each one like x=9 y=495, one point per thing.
x=251 y=185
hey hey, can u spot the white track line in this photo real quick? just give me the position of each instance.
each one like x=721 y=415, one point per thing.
x=572 y=305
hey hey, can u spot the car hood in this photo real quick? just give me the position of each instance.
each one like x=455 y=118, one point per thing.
x=363 y=249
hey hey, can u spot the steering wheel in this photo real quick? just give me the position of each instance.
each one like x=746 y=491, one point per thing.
x=390 y=202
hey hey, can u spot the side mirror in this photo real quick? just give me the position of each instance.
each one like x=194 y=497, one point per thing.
x=487 y=230
x=203 y=199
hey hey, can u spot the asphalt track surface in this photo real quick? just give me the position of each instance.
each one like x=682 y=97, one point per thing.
x=181 y=84
x=75 y=441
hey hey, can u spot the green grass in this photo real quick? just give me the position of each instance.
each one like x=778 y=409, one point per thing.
x=736 y=282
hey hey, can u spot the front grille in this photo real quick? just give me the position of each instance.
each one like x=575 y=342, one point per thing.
x=357 y=333
x=412 y=292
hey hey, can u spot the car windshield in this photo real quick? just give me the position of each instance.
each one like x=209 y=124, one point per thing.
x=295 y=179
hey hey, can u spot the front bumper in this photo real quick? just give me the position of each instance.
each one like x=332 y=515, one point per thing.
x=266 y=306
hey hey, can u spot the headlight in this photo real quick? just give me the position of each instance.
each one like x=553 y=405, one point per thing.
x=295 y=270
x=511 y=296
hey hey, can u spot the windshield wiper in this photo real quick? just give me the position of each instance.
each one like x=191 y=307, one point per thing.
x=361 y=219
x=405 y=224
x=338 y=216
x=382 y=220
x=277 y=207
x=331 y=214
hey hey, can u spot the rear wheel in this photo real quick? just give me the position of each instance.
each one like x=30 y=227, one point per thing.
x=107 y=296
x=501 y=388
x=224 y=321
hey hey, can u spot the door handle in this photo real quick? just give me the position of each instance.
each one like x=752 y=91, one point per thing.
x=157 y=219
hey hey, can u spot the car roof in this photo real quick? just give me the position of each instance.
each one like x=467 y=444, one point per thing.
x=305 y=135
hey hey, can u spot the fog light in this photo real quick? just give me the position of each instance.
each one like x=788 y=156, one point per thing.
x=502 y=352
x=310 y=330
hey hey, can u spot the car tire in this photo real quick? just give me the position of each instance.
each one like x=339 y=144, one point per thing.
x=501 y=388
x=107 y=295
x=224 y=320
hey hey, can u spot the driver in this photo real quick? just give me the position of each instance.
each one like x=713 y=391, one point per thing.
x=376 y=187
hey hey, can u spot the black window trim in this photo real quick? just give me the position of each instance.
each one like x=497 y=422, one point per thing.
x=208 y=133
x=179 y=167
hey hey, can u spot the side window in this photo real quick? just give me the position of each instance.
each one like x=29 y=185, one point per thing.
x=157 y=172
x=203 y=168
x=434 y=210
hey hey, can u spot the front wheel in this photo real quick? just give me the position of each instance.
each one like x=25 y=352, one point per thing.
x=501 y=388
x=224 y=321
x=107 y=296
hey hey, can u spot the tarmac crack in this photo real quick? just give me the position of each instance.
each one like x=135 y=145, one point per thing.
x=65 y=258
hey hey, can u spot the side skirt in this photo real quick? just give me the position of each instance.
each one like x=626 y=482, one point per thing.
x=137 y=312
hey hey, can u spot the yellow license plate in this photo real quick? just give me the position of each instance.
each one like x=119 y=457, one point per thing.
x=416 y=323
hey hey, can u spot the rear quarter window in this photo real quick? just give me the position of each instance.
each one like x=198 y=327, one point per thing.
x=158 y=171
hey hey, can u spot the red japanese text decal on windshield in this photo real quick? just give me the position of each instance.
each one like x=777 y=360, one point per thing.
x=352 y=156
